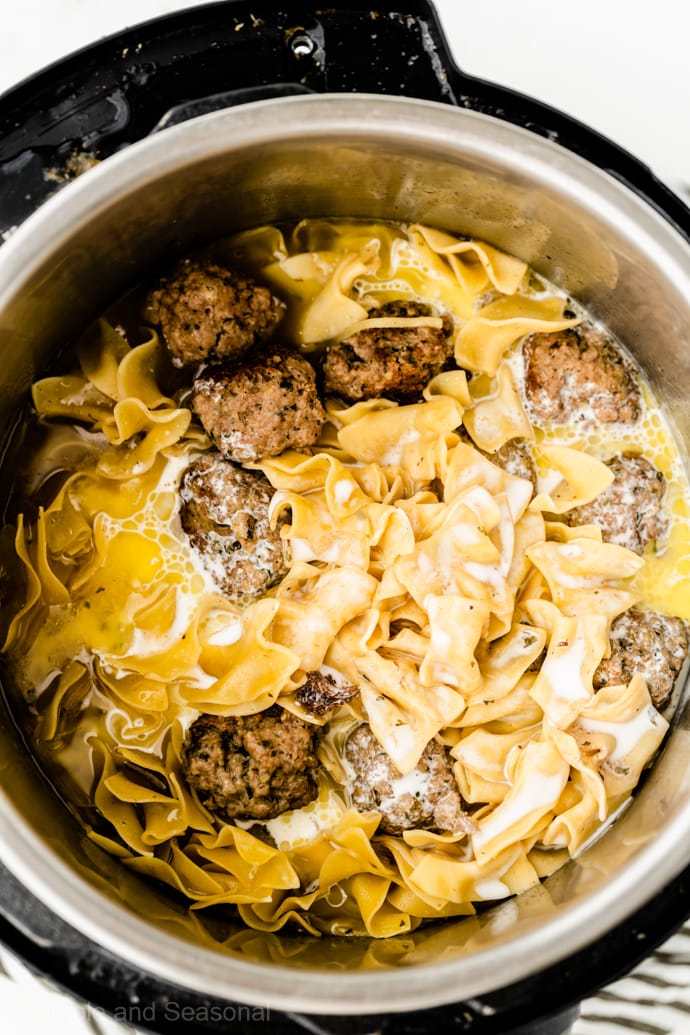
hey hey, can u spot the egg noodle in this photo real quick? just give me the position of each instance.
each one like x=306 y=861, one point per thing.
x=420 y=571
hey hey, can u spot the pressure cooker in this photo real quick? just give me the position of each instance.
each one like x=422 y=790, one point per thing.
x=229 y=116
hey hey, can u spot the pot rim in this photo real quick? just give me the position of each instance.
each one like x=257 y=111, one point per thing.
x=431 y=127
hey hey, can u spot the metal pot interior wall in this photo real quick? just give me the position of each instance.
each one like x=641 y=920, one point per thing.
x=374 y=158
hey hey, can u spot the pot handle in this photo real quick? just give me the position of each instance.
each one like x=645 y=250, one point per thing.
x=226 y=99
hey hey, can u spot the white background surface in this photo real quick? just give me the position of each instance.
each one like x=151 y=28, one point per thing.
x=622 y=66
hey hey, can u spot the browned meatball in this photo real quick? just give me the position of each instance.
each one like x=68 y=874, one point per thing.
x=573 y=373
x=427 y=798
x=252 y=766
x=224 y=512
x=515 y=458
x=629 y=513
x=206 y=311
x=648 y=643
x=319 y=694
x=260 y=407
x=395 y=362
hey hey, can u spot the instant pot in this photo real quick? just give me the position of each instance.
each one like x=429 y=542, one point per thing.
x=236 y=114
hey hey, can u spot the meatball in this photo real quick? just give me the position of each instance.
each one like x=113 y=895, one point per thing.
x=629 y=513
x=515 y=458
x=320 y=694
x=260 y=407
x=396 y=362
x=648 y=643
x=573 y=373
x=206 y=311
x=252 y=766
x=428 y=797
x=225 y=513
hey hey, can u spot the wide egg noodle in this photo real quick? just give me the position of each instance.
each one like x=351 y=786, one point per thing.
x=137 y=693
x=151 y=432
x=456 y=625
x=580 y=479
x=460 y=558
x=255 y=668
x=504 y=661
x=101 y=349
x=415 y=437
x=418 y=569
x=481 y=762
x=448 y=883
x=585 y=575
x=68 y=534
x=514 y=710
x=539 y=776
x=54 y=591
x=253 y=249
x=91 y=545
x=476 y=265
x=390 y=323
x=333 y=311
x=315 y=534
x=629 y=728
x=60 y=715
x=403 y=713
x=576 y=648
x=452 y=383
x=498 y=417
x=72 y=396
x=273 y=889
x=584 y=803
x=36 y=592
x=484 y=340
x=415 y=270
x=318 y=270
x=468 y=468
x=308 y=625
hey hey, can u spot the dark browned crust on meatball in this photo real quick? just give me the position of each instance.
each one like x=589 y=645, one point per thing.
x=208 y=312
x=649 y=644
x=260 y=407
x=225 y=512
x=630 y=511
x=252 y=766
x=320 y=694
x=436 y=806
x=395 y=362
x=576 y=372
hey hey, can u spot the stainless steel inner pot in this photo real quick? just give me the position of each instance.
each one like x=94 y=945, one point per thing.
x=373 y=157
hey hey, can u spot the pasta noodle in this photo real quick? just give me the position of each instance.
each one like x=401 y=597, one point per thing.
x=438 y=582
